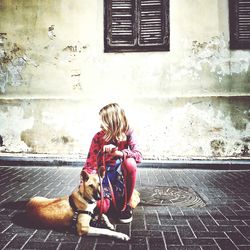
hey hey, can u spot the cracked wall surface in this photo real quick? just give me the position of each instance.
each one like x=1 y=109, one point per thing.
x=192 y=101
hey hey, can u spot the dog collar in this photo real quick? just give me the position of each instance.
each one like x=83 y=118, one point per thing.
x=77 y=212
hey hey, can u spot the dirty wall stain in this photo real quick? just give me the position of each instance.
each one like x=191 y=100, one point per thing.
x=11 y=126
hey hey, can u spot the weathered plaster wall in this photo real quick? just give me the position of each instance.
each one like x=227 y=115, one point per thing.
x=192 y=101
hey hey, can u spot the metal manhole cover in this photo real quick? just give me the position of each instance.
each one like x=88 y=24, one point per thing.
x=170 y=196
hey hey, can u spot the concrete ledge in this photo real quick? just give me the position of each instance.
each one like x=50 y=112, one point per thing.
x=220 y=164
x=39 y=160
x=77 y=161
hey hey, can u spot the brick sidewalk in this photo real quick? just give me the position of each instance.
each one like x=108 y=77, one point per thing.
x=224 y=223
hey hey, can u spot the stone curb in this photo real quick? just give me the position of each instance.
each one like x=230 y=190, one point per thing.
x=237 y=164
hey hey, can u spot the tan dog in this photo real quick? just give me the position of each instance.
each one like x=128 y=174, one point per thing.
x=79 y=206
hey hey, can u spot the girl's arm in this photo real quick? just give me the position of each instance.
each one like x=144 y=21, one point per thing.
x=91 y=164
x=133 y=149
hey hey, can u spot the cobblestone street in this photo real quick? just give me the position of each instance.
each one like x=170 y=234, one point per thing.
x=224 y=223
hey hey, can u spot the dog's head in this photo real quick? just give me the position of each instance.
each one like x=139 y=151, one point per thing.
x=90 y=186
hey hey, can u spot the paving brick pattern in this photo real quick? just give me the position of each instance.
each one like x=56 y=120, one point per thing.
x=223 y=224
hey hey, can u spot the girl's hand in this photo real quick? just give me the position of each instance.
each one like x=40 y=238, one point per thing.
x=109 y=148
x=112 y=149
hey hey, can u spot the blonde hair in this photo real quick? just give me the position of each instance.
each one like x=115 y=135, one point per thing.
x=114 y=122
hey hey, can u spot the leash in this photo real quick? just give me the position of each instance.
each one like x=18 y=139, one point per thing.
x=102 y=193
x=111 y=189
x=100 y=180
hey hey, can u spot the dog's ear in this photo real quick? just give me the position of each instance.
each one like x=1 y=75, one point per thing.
x=84 y=175
x=102 y=171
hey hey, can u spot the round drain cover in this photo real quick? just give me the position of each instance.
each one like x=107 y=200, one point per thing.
x=170 y=196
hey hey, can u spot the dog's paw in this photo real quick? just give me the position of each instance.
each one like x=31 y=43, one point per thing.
x=108 y=223
x=122 y=236
x=111 y=227
x=102 y=222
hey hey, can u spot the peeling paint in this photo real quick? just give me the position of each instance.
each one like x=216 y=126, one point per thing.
x=60 y=132
x=13 y=61
x=1 y=141
x=215 y=55
x=189 y=131
x=217 y=147
x=62 y=140
x=51 y=32
x=76 y=77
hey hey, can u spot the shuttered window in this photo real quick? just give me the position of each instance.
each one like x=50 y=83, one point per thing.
x=239 y=13
x=136 y=25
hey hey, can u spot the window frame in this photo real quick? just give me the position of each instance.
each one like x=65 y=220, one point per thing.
x=238 y=27
x=136 y=47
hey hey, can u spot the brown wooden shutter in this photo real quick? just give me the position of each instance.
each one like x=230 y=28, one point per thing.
x=239 y=24
x=120 y=21
x=136 y=25
x=153 y=26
